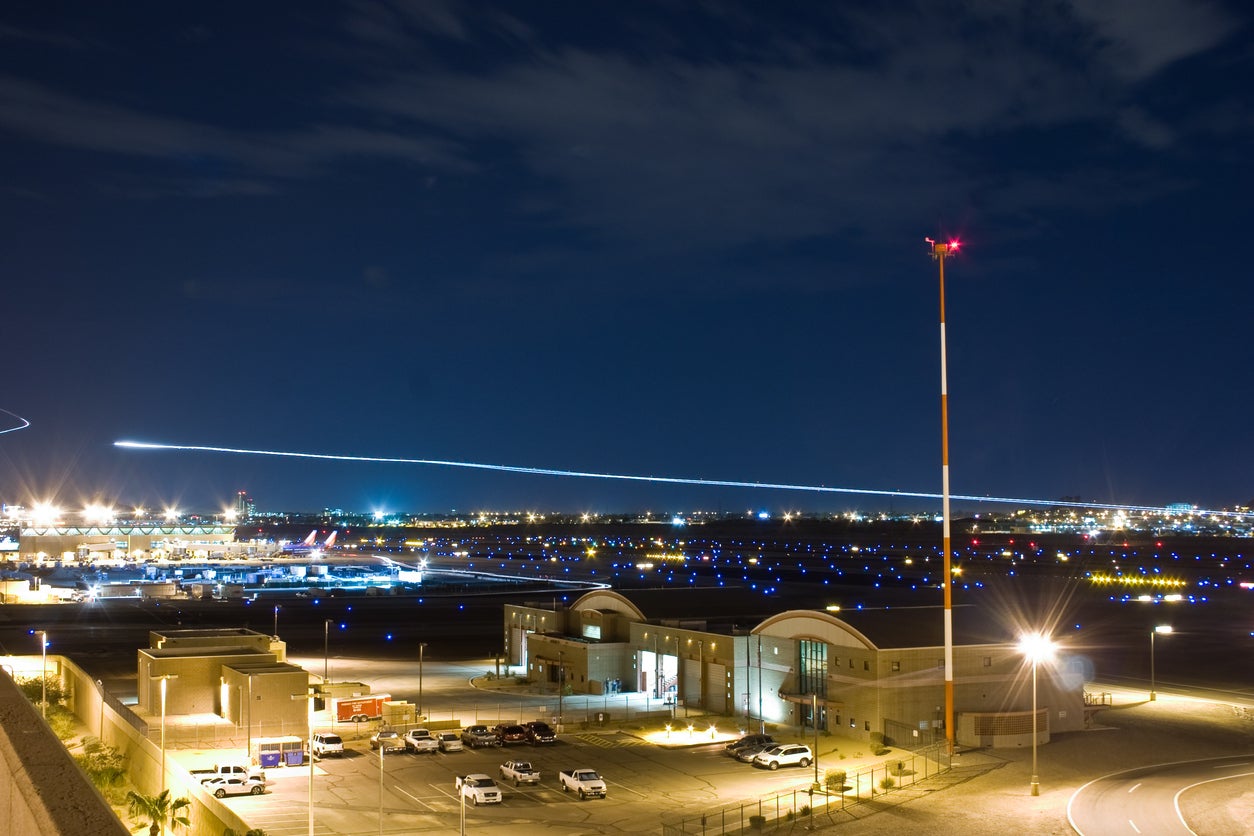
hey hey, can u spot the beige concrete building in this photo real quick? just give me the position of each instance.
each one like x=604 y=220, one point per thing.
x=237 y=674
x=859 y=673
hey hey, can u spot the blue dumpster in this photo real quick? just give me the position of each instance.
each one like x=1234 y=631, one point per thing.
x=271 y=759
x=294 y=757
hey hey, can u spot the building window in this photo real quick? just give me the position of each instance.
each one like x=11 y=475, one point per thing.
x=896 y=666
x=940 y=663
x=866 y=725
x=988 y=661
x=866 y=665
x=812 y=667
x=850 y=663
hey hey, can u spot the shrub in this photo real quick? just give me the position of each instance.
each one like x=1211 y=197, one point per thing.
x=887 y=783
x=835 y=779
x=805 y=809
x=33 y=687
x=757 y=822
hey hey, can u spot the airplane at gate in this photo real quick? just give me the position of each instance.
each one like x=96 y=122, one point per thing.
x=310 y=544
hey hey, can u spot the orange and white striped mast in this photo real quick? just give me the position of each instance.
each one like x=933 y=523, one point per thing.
x=940 y=251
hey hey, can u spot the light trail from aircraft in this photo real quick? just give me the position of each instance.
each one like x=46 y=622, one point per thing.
x=24 y=425
x=670 y=480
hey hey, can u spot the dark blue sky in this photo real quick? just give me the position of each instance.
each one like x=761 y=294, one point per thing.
x=662 y=238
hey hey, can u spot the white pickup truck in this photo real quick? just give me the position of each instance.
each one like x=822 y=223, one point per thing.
x=586 y=782
x=520 y=772
x=479 y=788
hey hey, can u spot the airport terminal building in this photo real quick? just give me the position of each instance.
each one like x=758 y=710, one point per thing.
x=857 y=673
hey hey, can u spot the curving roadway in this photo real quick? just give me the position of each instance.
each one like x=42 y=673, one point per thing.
x=1147 y=801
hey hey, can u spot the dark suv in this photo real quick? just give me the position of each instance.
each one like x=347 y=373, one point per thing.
x=750 y=740
x=540 y=732
x=510 y=733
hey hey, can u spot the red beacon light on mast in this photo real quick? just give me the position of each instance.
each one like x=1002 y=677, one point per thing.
x=941 y=249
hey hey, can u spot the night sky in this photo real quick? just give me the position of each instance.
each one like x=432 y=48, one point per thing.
x=654 y=238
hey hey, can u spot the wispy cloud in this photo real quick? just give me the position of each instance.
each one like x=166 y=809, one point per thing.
x=805 y=139
x=41 y=113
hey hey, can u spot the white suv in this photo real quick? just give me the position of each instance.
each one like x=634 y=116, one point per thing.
x=789 y=754
x=328 y=744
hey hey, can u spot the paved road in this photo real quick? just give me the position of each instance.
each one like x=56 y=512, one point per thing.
x=1146 y=801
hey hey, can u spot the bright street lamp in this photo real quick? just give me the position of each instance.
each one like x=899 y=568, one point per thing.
x=1036 y=648
x=1164 y=629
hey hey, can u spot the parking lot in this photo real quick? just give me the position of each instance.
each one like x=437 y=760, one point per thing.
x=647 y=783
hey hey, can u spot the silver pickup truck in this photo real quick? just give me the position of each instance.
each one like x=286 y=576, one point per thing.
x=520 y=772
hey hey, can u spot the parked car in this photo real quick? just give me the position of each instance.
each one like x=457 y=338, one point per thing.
x=510 y=733
x=790 y=754
x=421 y=741
x=325 y=743
x=540 y=732
x=759 y=740
x=388 y=740
x=476 y=736
x=234 y=785
x=747 y=754
x=449 y=741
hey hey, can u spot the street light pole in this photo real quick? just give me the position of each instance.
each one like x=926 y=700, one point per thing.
x=276 y=620
x=747 y=651
x=814 y=721
x=761 y=718
x=939 y=253
x=381 y=748
x=308 y=696
x=326 y=652
x=163 y=677
x=250 y=718
x=421 y=647
x=1164 y=629
x=1038 y=648
x=701 y=672
x=561 y=685
x=43 y=680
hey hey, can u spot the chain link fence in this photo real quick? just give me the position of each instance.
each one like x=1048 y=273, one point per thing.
x=806 y=805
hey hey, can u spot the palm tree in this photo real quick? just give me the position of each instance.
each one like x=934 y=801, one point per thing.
x=159 y=810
